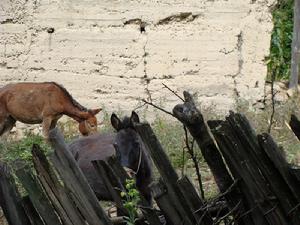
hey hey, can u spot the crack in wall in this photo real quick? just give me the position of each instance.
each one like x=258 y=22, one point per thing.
x=146 y=79
x=182 y=16
x=239 y=47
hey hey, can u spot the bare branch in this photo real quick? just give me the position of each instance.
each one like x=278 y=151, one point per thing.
x=190 y=149
x=157 y=107
x=174 y=92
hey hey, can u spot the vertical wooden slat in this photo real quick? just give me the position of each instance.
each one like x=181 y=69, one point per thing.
x=62 y=202
x=31 y=212
x=194 y=199
x=165 y=203
x=10 y=200
x=166 y=170
x=38 y=197
x=111 y=182
x=238 y=141
x=190 y=116
x=75 y=181
x=295 y=64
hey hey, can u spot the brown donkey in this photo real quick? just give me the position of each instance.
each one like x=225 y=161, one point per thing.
x=44 y=103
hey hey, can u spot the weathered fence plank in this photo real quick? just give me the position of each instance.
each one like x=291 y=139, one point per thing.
x=111 y=182
x=75 y=181
x=165 y=203
x=282 y=181
x=31 y=212
x=10 y=200
x=63 y=204
x=265 y=155
x=166 y=170
x=294 y=124
x=296 y=173
x=38 y=196
x=188 y=114
x=249 y=161
x=295 y=62
x=194 y=200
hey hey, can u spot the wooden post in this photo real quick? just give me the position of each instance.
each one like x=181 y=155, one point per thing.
x=283 y=183
x=75 y=181
x=111 y=182
x=164 y=202
x=194 y=200
x=58 y=195
x=188 y=114
x=250 y=164
x=38 y=196
x=295 y=64
x=166 y=170
x=31 y=212
x=192 y=118
x=10 y=200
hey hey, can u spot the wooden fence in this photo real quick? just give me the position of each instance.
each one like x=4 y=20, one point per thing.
x=257 y=186
x=295 y=59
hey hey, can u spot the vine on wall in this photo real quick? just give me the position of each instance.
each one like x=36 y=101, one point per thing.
x=279 y=60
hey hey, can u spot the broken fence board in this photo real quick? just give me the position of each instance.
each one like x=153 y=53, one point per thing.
x=10 y=200
x=31 y=212
x=75 y=181
x=37 y=196
x=62 y=202
x=166 y=170
x=194 y=200
x=165 y=203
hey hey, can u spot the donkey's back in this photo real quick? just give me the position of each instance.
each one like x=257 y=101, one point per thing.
x=87 y=149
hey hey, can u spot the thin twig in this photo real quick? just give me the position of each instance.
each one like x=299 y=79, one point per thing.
x=139 y=106
x=293 y=209
x=229 y=213
x=272 y=209
x=183 y=159
x=212 y=202
x=195 y=161
x=157 y=107
x=174 y=92
x=202 y=217
x=245 y=213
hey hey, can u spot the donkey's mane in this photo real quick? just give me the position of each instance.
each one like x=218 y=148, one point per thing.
x=74 y=102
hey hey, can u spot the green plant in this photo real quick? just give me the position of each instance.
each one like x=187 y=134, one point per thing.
x=279 y=60
x=131 y=199
x=21 y=150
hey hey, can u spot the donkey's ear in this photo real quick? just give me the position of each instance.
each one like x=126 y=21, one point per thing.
x=134 y=117
x=95 y=111
x=115 y=122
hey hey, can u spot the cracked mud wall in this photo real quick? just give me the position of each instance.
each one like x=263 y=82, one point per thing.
x=112 y=53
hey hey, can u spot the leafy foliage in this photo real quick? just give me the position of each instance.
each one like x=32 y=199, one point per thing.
x=21 y=150
x=131 y=199
x=279 y=60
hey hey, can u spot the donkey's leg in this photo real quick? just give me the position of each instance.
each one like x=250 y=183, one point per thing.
x=54 y=122
x=8 y=125
x=3 y=118
x=46 y=126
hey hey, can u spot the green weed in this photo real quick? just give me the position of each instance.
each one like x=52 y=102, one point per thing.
x=279 y=60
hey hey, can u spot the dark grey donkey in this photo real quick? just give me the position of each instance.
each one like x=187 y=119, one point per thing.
x=126 y=144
